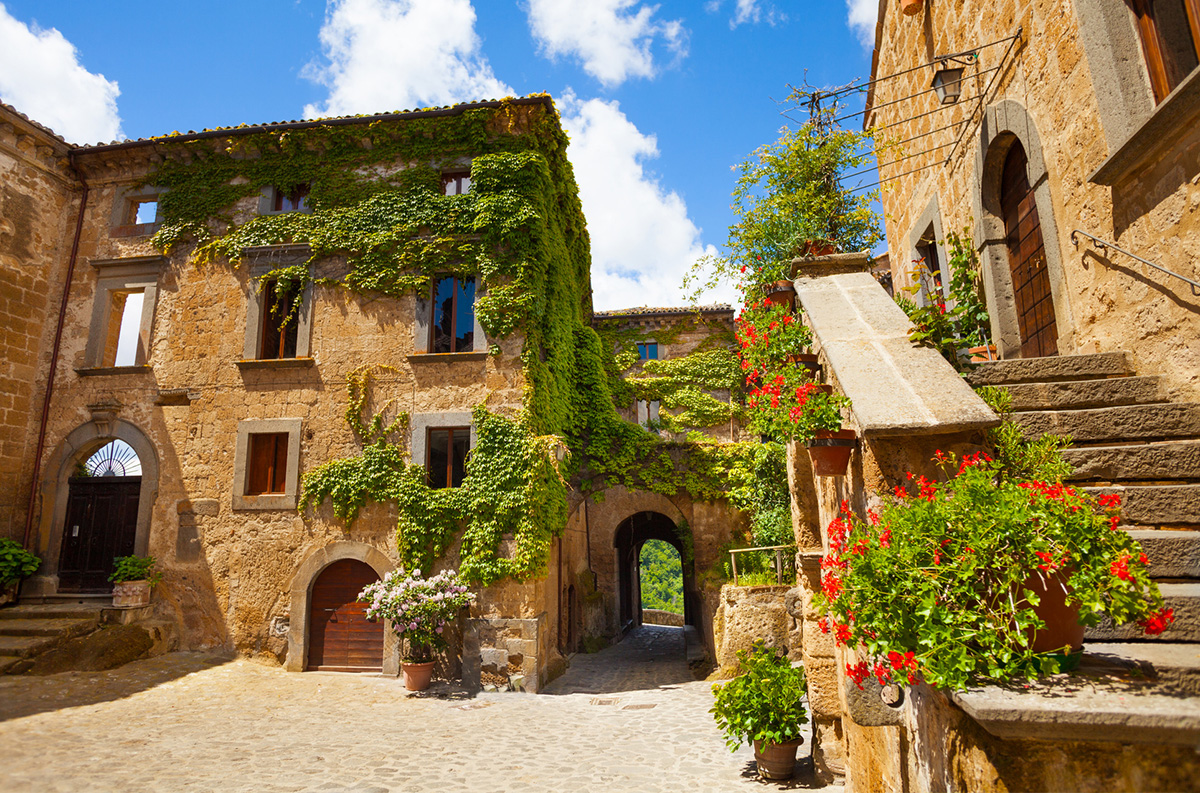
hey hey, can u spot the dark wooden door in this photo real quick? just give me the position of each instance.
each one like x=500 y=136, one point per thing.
x=101 y=524
x=1027 y=259
x=340 y=639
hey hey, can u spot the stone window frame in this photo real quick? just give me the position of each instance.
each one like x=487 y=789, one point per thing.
x=259 y=261
x=1136 y=130
x=131 y=274
x=124 y=199
x=423 y=321
x=930 y=218
x=419 y=425
x=290 y=496
x=1004 y=122
x=266 y=202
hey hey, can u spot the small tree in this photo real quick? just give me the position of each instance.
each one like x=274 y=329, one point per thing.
x=790 y=193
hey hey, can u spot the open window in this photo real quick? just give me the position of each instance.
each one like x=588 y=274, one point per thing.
x=278 y=312
x=453 y=325
x=123 y=312
x=135 y=211
x=447 y=449
x=456 y=182
x=278 y=335
x=266 y=472
x=276 y=200
x=1170 y=34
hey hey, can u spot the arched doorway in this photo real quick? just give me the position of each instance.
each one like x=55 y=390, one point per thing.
x=1027 y=258
x=631 y=535
x=101 y=522
x=341 y=639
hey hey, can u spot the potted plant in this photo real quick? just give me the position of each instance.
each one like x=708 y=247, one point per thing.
x=419 y=610
x=763 y=706
x=770 y=335
x=133 y=577
x=15 y=563
x=949 y=581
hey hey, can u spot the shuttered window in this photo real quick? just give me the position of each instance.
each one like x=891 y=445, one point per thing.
x=267 y=472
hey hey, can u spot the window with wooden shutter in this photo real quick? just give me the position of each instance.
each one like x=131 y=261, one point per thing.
x=447 y=463
x=267 y=469
x=279 y=324
x=1170 y=34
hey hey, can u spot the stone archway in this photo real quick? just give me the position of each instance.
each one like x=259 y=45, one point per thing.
x=301 y=600
x=631 y=535
x=80 y=444
x=1006 y=123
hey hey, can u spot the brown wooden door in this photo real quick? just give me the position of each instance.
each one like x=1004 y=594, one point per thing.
x=340 y=637
x=1027 y=259
x=101 y=524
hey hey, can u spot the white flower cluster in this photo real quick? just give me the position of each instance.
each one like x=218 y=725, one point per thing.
x=419 y=607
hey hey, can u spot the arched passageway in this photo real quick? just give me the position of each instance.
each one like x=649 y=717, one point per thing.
x=631 y=535
x=101 y=520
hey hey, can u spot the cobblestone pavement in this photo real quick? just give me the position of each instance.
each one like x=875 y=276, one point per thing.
x=193 y=722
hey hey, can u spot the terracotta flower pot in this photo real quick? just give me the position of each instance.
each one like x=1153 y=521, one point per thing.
x=983 y=354
x=1062 y=621
x=131 y=594
x=807 y=360
x=830 y=451
x=817 y=248
x=776 y=760
x=417 y=676
x=911 y=7
x=782 y=293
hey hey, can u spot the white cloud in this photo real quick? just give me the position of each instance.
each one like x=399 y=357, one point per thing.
x=612 y=38
x=749 y=12
x=400 y=54
x=40 y=75
x=862 y=17
x=642 y=238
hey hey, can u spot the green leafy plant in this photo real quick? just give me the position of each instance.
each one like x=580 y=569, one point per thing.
x=419 y=609
x=16 y=562
x=135 y=568
x=939 y=585
x=790 y=193
x=1017 y=457
x=764 y=703
x=948 y=326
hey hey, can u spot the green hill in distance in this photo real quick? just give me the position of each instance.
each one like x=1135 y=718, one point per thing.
x=662 y=577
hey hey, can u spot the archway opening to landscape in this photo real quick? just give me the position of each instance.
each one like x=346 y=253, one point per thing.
x=632 y=536
x=660 y=579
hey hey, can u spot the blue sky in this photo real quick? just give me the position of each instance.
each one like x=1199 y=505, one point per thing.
x=660 y=99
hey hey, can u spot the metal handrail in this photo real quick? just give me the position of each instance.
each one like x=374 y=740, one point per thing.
x=1102 y=244
x=778 y=549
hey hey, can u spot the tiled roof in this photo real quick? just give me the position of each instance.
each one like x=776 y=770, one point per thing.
x=646 y=311
x=396 y=115
x=40 y=126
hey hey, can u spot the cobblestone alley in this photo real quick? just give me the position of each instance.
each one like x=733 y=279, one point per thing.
x=628 y=718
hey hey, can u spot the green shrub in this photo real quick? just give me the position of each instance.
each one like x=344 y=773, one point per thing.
x=15 y=562
x=134 y=568
x=764 y=703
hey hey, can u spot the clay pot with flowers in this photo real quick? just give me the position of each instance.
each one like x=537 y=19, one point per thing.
x=948 y=582
x=419 y=610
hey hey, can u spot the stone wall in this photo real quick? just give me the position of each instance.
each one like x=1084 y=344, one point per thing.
x=660 y=617
x=39 y=202
x=1071 y=98
x=747 y=614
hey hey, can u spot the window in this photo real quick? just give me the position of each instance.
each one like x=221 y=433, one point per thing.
x=447 y=462
x=456 y=183
x=279 y=326
x=266 y=465
x=1170 y=34
x=647 y=411
x=453 y=325
x=135 y=211
x=294 y=200
x=267 y=471
x=648 y=350
x=123 y=311
x=143 y=211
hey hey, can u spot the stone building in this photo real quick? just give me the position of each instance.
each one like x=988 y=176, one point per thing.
x=1068 y=160
x=207 y=323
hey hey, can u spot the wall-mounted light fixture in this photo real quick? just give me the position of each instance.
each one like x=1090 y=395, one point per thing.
x=947 y=83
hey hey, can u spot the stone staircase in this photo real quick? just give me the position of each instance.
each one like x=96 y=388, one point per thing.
x=1129 y=438
x=27 y=631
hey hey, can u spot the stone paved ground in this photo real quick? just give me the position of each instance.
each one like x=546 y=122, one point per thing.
x=191 y=722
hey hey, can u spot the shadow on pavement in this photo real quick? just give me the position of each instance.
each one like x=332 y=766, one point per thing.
x=26 y=695
x=649 y=657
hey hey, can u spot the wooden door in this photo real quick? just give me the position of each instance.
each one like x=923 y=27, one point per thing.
x=1027 y=259
x=101 y=524
x=340 y=639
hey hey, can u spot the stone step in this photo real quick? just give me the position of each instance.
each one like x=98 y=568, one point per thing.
x=1184 y=598
x=1173 y=554
x=1156 y=460
x=1170 y=663
x=50 y=611
x=1127 y=422
x=8 y=661
x=1155 y=505
x=1075 y=394
x=25 y=646
x=1046 y=370
x=46 y=627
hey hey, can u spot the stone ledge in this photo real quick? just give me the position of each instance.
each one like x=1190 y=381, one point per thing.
x=446 y=357
x=1156 y=137
x=275 y=363
x=104 y=371
x=1070 y=709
